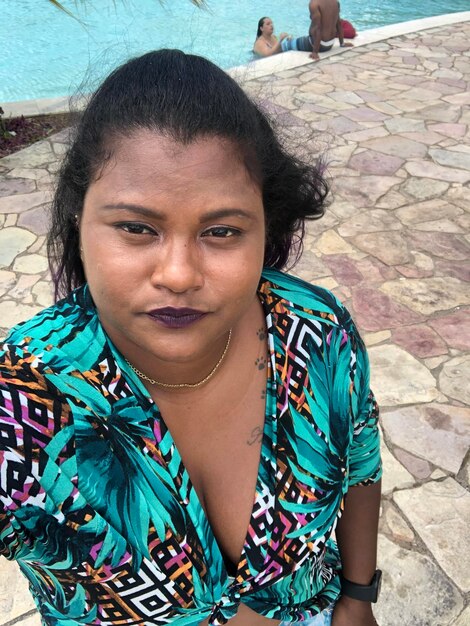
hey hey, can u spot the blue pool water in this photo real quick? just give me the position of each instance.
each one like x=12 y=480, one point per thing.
x=45 y=53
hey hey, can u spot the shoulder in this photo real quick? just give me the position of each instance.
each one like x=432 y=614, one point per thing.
x=299 y=298
x=261 y=47
x=59 y=338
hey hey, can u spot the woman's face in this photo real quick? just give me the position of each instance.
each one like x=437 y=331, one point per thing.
x=268 y=27
x=172 y=243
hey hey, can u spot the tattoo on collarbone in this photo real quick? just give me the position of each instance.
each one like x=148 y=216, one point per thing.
x=256 y=436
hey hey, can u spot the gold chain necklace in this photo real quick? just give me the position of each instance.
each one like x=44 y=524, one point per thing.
x=184 y=385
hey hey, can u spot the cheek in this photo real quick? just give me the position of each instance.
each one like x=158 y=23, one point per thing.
x=238 y=285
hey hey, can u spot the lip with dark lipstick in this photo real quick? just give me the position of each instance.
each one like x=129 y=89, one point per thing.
x=176 y=318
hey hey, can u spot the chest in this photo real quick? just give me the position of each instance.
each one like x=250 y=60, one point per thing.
x=219 y=441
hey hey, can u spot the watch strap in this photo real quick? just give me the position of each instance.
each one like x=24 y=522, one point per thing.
x=366 y=593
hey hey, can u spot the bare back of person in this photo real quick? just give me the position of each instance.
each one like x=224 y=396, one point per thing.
x=328 y=13
x=218 y=430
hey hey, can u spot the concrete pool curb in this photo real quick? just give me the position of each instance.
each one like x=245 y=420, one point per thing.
x=260 y=67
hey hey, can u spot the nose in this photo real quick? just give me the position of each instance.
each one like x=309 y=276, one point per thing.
x=178 y=267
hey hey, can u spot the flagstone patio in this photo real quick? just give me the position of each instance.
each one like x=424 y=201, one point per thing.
x=393 y=121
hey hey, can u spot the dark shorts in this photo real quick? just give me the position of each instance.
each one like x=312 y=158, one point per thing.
x=302 y=44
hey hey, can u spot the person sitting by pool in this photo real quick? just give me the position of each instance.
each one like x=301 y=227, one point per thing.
x=266 y=43
x=325 y=26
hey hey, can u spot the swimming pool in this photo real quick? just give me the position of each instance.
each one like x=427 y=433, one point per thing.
x=46 y=54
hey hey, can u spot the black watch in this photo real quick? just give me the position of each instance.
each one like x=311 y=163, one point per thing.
x=366 y=593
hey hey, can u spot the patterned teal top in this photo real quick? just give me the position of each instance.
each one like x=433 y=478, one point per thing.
x=98 y=510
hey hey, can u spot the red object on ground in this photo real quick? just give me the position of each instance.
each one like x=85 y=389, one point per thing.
x=349 y=31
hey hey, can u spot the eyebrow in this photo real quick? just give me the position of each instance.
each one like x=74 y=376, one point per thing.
x=155 y=214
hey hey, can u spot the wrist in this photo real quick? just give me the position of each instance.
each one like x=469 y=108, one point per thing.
x=360 y=591
x=356 y=607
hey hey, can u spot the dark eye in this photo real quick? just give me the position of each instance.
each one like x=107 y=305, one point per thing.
x=134 y=228
x=221 y=232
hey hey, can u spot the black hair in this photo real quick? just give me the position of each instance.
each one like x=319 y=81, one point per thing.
x=184 y=97
x=260 y=26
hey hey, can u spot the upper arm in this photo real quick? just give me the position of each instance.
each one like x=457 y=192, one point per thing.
x=18 y=479
x=364 y=458
x=260 y=47
x=30 y=415
x=315 y=15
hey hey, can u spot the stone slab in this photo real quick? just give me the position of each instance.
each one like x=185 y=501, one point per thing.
x=397 y=378
x=373 y=162
x=393 y=525
x=438 y=433
x=454 y=379
x=395 y=476
x=13 y=241
x=439 y=512
x=419 y=468
x=30 y=264
x=15 y=599
x=445 y=245
x=419 y=340
x=7 y=281
x=23 y=202
x=454 y=328
x=389 y=247
x=463 y=619
x=441 y=226
x=36 y=220
x=375 y=311
x=424 y=188
x=427 y=169
x=13 y=186
x=404 y=124
x=37 y=155
x=370 y=190
x=450 y=158
x=331 y=243
x=404 y=571
x=397 y=146
x=428 y=295
x=369 y=221
x=372 y=339
x=12 y=313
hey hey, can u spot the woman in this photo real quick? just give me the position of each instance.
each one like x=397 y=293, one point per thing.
x=266 y=42
x=179 y=433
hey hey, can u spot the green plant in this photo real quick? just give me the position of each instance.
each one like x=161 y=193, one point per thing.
x=4 y=133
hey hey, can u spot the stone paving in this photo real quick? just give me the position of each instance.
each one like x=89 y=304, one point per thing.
x=393 y=121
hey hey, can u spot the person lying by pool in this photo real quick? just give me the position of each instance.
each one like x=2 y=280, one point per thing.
x=184 y=432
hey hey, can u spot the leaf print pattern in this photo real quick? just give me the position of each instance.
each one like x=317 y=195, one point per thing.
x=98 y=509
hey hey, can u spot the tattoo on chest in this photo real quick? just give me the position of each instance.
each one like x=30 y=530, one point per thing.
x=261 y=363
x=261 y=333
x=256 y=436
